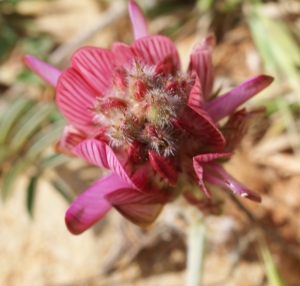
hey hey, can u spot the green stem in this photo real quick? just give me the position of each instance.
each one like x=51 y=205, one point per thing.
x=195 y=252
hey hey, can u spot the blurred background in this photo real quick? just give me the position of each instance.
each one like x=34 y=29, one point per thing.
x=249 y=244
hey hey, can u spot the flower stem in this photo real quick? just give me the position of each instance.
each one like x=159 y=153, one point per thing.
x=195 y=252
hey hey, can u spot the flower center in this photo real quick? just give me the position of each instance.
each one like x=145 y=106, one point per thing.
x=143 y=108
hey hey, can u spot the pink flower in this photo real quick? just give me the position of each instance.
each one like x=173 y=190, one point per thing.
x=133 y=111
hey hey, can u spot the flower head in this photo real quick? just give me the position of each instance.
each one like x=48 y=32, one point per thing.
x=132 y=110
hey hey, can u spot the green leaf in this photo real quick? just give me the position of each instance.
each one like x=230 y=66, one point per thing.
x=31 y=191
x=205 y=5
x=14 y=112
x=4 y=154
x=54 y=161
x=27 y=76
x=261 y=42
x=272 y=273
x=39 y=46
x=44 y=139
x=11 y=177
x=60 y=186
x=290 y=124
x=56 y=116
x=8 y=38
x=29 y=124
x=280 y=58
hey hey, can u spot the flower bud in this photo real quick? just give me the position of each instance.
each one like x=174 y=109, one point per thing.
x=136 y=153
x=165 y=68
x=139 y=89
x=113 y=103
x=120 y=80
x=171 y=87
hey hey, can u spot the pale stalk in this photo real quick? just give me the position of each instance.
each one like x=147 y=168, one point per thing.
x=195 y=252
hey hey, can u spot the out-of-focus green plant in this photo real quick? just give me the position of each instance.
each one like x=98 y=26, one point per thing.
x=273 y=276
x=227 y=5
x=279 y=50
x=280 y=55
x=17 y=28
x=28 y=128
x=8 y=38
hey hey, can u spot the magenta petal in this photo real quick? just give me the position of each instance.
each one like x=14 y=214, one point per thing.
x=96 y=65
x=153 y=49
x=196 y=96
x=138 y=21
x=201 y=62
x=75 y=98
x=91 y=206
x=140 y=214
x=47 y=72
x=228 y=102
x=131 y=196
x=140 y=208
x=223 y=179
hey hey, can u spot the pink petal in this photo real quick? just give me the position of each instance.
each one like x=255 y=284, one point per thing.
x=47 y=72
x=197 y=160
x=123 y=54
x=223 y=179
x=140 y=208
x=228 y=102
x=75 y=98
x=140 y=214
x=117 y=166
x=138 y=21
x=196 y=96
x=204 y=158
x=209 y=42
x=69 y=139
x=199 y=171
x=163 y=167
x=201 y=62
x=153 y=49
x=91 y=206
x=96 y=66
x=100 y=154
x=205 y=126
x=93 y=151
x=137 y=177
